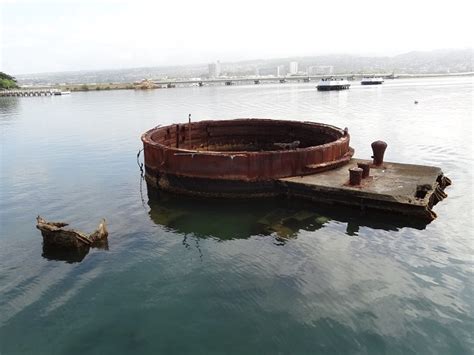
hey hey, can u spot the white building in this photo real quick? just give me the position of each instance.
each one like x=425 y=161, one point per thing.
x=320 y=69
x=215 y=69
x=293 y=68
x=280 y=70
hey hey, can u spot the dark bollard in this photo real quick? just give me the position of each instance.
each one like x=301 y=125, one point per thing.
x=355 y=176
x=378 y=147
x=365 y=169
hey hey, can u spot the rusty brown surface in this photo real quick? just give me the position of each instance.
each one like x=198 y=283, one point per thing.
x=378 y=148
x=244 y=149
x=365 y=169
x=355 y=176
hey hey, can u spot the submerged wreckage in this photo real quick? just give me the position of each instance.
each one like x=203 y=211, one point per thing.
x=263 y=157
x=55 y=235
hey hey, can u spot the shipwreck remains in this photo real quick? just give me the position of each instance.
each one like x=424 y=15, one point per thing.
x=238 y=158
x=263 y=157
x=55 y=235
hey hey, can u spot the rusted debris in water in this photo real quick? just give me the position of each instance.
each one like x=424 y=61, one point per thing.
x=54 y=234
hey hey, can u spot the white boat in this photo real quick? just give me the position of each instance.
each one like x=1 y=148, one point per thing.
x=57 y=92
x=333 y=83
x=371 y=80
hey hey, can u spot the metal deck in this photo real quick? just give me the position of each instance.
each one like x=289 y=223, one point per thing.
x=398 y=188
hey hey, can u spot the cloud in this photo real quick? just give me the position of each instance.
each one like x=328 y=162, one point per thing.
x=101 y=34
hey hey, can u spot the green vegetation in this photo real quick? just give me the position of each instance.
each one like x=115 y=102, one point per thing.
x=7 y=81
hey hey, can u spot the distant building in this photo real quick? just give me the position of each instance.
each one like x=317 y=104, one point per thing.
x=311 y=70
x=215 y=69
x=293 y=68
x=280 y=70
x=320 y=70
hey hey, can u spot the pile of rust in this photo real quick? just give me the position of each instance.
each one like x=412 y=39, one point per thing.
x=55 y=235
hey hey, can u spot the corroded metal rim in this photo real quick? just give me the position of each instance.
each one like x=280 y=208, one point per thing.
x=217 y=149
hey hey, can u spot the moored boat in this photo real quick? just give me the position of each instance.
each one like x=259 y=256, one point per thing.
x=371 y=80
x=333 y=83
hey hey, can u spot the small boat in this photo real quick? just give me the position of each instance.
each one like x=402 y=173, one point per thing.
x=59 y=93
x=371 y=80
x=333 y=83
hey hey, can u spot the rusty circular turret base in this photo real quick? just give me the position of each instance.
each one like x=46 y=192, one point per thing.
x=240 y=157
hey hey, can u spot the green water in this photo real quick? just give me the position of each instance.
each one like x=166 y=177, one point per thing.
x=192 y=276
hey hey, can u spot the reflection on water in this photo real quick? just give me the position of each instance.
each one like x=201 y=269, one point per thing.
x=8 y=105
x=231 y=219
x=74 y=255
x=71 y=255
x=282 y=218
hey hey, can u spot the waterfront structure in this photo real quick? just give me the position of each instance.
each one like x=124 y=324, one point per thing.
x=262 y=157
x=214 y=70
x=293 y=68
x=32 y=92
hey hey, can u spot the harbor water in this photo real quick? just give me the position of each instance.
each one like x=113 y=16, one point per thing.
x=271 y=276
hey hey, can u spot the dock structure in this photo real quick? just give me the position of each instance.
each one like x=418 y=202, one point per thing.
x=400 y=189
x=29 y=92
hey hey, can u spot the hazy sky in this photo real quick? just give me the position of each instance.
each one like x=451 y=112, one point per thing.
x=44 y=36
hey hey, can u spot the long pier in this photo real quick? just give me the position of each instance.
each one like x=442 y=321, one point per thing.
x=258 y=79
x=30 y=92
x=171 y=83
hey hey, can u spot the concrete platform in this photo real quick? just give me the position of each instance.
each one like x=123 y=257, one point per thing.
x=410 y=190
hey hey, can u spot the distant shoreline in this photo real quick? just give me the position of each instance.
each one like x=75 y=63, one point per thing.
x=172 y=83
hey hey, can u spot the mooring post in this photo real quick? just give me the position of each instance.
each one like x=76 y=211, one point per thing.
x=177 y=136
x=378 y=148
x=189 y=131
x=355 y=176
x=365 y=169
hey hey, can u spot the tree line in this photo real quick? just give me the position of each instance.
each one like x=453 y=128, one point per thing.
x=7 y=82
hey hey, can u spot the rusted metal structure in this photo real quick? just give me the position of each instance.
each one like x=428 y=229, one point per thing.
x=262 y=157
x=397 y=189
x=241 y=156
